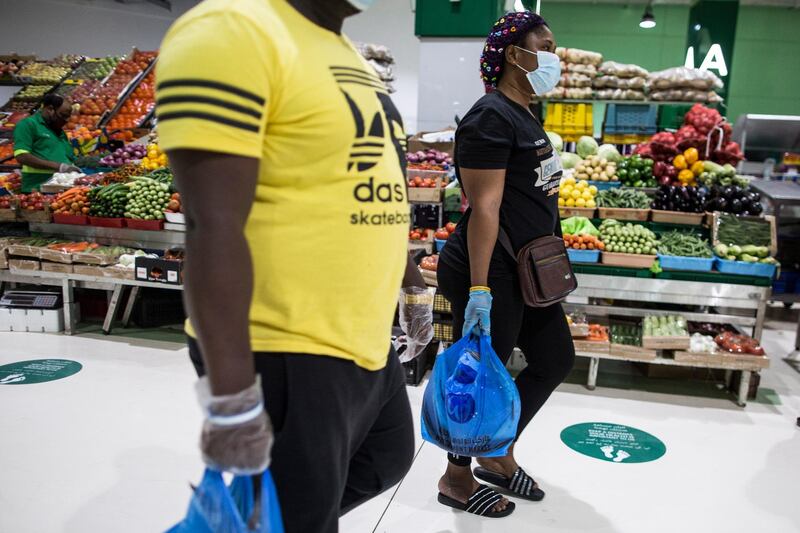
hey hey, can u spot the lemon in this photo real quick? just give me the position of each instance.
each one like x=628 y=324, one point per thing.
x=569 y=180
x=561 y=202
x=570 y=202
x=586 y=195
x=591 y=203
x=580 y=202
x=564 y=192
x=593 y=190
x=575 y=194
x=581 y=185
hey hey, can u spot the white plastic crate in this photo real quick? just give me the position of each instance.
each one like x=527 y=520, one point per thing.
x=32 y=320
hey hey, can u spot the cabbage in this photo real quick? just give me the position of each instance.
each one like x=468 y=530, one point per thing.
x=570 y=160
x=556 y=141
x=609 y=152
x=586 y=146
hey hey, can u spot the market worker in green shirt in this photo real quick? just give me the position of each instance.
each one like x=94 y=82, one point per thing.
x=41 y=145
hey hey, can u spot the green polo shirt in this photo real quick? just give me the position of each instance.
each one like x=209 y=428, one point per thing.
x=33 y=136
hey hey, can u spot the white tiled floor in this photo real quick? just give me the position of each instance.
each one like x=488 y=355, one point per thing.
x=112 y=449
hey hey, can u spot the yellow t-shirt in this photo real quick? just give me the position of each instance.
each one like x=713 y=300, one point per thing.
x=328 y=227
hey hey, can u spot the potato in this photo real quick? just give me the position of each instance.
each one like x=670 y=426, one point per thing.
x=611 y=170
x=603 y=176
x=580 y=168
x=603 y=162
x=583 y=176
x=596 y=176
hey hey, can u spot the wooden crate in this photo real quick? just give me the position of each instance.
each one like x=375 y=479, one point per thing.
x=621 y=213
x=429 y=195
x=23 y=250
x=566 y=212
x=24 y=265
x=118 y=272
x=57 y=267
x=627 y=260
x=36 y=216
x=89 y=258
x=666 y=343
x=723 y=359
x=8 y=215
x=89 y=270
x=766 y=219
x=632 y=352
x=591 y=346
x=677 y=217
x=55 y=256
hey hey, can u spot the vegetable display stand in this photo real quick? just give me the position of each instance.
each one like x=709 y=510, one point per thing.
x=622 y=213
x=75 y=220
x=666 y=343
x=628 y=260
x=696 y=264
x=567 y=212
x=637 y=119
x=104 y=222
x=677 y=217
x=745 y=268
x=632 y=352
x=583 y=256
x=426 y=194
x=147 y=225
x=571 y=121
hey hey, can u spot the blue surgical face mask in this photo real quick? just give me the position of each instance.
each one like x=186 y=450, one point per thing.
x=361 y=5
x=545 y=78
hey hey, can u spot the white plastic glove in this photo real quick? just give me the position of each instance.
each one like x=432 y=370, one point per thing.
x=416 y=320
x=237 y=433
x=66 y=167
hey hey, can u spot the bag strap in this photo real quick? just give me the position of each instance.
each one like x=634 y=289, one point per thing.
x=505 y=242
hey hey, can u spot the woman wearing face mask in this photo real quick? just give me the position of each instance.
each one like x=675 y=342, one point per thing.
x=41 y=145
x=510 y=174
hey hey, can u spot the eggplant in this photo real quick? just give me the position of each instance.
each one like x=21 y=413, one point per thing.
x=736 y=206
x=756 y=209
x=754 y=196
x=722 y=204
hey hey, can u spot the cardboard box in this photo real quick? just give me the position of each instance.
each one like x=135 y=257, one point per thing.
x=417 y=143
x=24 y=265
x=57 y=267
x=159 y=270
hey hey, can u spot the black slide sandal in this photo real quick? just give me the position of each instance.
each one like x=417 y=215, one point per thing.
x=481 y=503
x=521 y=484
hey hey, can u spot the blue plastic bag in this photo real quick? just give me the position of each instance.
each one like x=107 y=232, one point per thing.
x=217 y=508
x=471 y=405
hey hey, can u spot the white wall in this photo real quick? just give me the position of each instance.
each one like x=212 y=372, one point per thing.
x=103 y=27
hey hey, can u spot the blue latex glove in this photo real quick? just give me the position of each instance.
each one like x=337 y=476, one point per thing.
x=476 y=316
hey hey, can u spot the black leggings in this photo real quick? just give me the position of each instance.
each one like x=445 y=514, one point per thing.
x=542 y=333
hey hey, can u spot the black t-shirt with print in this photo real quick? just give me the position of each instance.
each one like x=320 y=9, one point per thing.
x=499 y=133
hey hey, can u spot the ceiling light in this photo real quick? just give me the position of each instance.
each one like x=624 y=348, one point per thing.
x=648 y=20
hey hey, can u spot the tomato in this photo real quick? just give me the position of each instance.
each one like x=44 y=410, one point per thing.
x=450 y=227
x=442 y=234
x=415 y=236
x=417 y=182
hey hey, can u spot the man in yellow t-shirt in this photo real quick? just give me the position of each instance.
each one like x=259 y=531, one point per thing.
x=289 y=156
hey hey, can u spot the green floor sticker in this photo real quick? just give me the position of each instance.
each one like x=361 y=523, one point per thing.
x=613 y=442
x=37 y=371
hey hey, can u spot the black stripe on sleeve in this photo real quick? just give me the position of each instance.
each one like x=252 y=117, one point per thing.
x=196 y=99
x=209 y=84
x=372 y=85
x=208 y=116
x=348 y=70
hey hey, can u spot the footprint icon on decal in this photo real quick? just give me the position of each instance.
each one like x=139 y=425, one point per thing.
x=12 y=378
x=608 y=451
x=621 y=456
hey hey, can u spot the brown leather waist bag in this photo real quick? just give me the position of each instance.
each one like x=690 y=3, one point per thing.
x=545 y=273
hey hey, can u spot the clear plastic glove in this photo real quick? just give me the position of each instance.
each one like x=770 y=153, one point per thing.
x=66 y=167
x=477 y=315
x=416 y=320
x=237 y=433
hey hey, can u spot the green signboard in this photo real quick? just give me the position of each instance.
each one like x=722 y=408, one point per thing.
x=613 y=442
x=710 y=38
x=37 y=371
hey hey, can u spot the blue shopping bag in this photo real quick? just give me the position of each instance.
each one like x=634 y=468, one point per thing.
x=217 y=508
x=471 y=405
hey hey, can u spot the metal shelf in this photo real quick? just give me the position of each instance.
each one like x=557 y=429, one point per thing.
x=609 y=310
x=624 y=102
x=114 y=236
